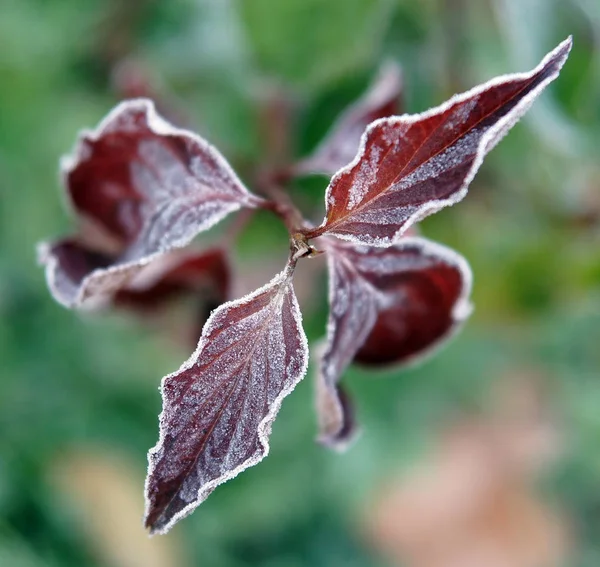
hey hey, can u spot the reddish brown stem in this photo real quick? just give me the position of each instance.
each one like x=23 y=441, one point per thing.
x=310 y=233
x=286 y=211
x=278 y=201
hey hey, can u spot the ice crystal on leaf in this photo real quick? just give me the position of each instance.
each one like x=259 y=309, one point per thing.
x=142 y=189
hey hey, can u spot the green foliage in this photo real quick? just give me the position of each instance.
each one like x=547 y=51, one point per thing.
x=313 y=43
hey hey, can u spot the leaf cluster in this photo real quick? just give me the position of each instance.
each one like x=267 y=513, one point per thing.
x=142 y=189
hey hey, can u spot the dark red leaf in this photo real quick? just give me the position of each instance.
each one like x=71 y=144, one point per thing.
x=409 y=167
x=341 y=144
x=387 y=305
x=219 y=406
x=153 y=185
x=146 y=186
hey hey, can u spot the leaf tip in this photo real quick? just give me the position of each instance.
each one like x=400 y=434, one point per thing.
x=564 y=48
x=154 y=528
x=41 y=252
x=341 y=442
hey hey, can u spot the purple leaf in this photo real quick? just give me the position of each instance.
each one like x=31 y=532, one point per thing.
x=341 y=144
x=153 y=185
x=219 y=406
x=410 y=166
x=387 y=305
x=145 y=186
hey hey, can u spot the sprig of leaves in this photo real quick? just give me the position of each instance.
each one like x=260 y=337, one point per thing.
x=142 y=189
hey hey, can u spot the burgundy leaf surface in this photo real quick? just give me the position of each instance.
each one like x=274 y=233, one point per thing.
x=411 y=166
x=219 y=406
x=145 y=186
x=343 y=141
x=387 y=305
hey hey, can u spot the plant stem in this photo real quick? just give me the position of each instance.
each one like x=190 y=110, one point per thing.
x=310 y=233
x=279 y=202
x=286 y=211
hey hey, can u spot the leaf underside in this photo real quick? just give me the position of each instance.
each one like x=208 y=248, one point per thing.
x=219 y=406
x=387 y=305
x=341 y=144
x=410 y=166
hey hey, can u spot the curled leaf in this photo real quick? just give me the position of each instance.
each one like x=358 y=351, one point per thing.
x=145 y=186
x=387 y=305
x=410 y=166
x=219 y=406
x=343 y=141
x=79 y=276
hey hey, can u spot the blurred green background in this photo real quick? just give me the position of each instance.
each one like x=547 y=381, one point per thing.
x=78 y=394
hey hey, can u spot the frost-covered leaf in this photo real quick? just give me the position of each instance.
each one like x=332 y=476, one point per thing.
x=341 y=144
x=149 y=183
x=146 y=186
x=411 y=166
x=219 y=406
x=387 y=305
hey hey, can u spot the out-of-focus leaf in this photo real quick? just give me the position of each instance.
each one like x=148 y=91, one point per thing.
x=175 y=274
x=409 y=167
x=386 y=305
x=314 y=42
x=342 y=143
x=145 y=186
x=219 y=406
